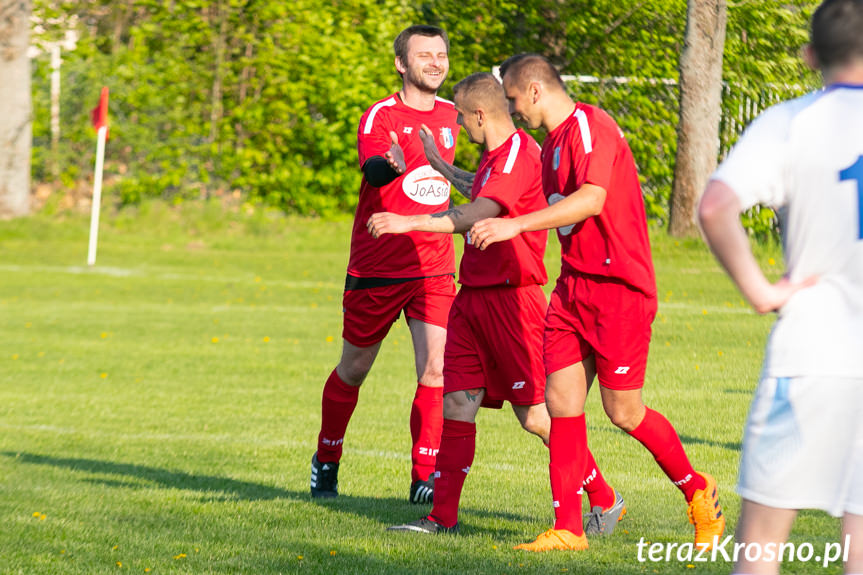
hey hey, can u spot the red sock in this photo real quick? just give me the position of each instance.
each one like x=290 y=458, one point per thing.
x=599 y=492
x=426 y=423
x=659 y=437
x=337 y=406
x=457 y=446
x=567 y=453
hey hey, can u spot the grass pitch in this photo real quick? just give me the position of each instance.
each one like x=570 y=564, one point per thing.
x=158 y=412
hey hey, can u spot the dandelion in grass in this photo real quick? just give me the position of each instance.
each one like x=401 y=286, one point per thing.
x=103 y=375
x=120 y=564
x=330 y=339
x=115 y=547
x=180 y=556
x=771 y=262
x=215 y=340
x=266 y=339
x=332 y=552
x=299 y=557
x=103 y=335
x=15 y=356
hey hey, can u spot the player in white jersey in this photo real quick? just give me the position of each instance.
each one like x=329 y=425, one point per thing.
x=803 y=441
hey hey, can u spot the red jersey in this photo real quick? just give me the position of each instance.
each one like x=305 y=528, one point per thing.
x=420 y=190
x=589 y=148
x=511 y=176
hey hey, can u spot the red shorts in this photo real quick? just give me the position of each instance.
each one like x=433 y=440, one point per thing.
x=370 y=313
x=494 y=341
x=604 y=318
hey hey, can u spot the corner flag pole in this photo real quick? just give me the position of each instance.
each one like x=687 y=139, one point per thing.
x=100 y=122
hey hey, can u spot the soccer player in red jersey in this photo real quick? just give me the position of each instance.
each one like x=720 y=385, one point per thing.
x=411 y=273
x=494 y=338
x=601 y=310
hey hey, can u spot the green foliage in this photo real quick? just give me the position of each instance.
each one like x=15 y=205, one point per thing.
x=212 y=96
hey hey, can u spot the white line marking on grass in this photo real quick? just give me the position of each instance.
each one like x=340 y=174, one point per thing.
x=220 y=439
x=126 y=272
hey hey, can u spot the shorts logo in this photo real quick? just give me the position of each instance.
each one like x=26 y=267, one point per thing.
x=556 y=164
x=446 y=138
x=428 y=451
x=426 y=186
x=622 y=370
x=408 y=129
x=553 y=199
x=518 y=385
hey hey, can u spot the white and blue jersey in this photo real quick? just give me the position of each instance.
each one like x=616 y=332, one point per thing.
x=804 y=158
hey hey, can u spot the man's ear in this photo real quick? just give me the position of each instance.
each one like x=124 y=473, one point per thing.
x=400 y=65
x=808 y=54
x=534 y=91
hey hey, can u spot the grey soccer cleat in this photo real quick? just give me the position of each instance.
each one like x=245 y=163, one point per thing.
x=425 y=525
x=599 y=522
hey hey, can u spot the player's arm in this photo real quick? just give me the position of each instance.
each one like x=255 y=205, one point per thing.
x=456 y=220
x=719 y=215
x=586 y=201
x=462 y=180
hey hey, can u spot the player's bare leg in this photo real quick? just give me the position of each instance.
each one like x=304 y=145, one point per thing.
x=852 y=531
x=426 y=419
x=762 y=524
x=356 y=362
x=534 y=419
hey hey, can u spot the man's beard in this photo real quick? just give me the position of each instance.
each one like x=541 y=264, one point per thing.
x=418 y=80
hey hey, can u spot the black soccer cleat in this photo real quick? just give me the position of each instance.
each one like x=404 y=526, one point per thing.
x=422 y=491
x=425 y=525
x=325 y=478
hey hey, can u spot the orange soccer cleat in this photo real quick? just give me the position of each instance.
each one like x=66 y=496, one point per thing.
x=706 y=514
x=556 y=539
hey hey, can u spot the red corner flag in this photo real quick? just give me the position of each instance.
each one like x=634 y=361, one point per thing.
x=100 y=112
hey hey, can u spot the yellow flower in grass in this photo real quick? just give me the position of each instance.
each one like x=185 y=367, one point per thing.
x=120 y=564
x=332 y=552
x=180 y=556
x=266 y=339
x=215 y=340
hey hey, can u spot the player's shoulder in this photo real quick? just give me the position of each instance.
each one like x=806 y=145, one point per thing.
x=777 y=120
x=376 y=112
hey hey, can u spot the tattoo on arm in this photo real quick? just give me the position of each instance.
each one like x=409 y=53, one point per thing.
x=453 y=213
x=462 y=181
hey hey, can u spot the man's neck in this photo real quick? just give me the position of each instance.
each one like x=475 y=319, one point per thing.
x=416 y=98
x=849 y=74
x=558 y=109
x=497 y=134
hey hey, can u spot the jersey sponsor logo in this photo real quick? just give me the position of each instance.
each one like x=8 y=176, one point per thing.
x=622 y=370
x=426 y=186
x=428 y=451
x=408 y=129
x=518 y=385
x=553 y=199
x=446 y=139
x=485 y=177
x=556 y=163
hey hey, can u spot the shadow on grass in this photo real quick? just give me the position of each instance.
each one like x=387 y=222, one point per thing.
x=386 y=510
x=730 y=445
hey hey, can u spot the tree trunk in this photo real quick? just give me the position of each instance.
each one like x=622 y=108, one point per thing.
x=700 y=107
x=16 y=121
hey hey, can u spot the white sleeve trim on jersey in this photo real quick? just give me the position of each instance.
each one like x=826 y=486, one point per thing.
x=584 y=127
x=444 y=100
x=367 y=129
x=513 y=154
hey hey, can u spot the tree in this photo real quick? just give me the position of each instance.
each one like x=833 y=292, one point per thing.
x=16 y=120
x=700 y=107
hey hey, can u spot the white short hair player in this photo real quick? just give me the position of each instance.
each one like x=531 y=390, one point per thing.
x=803 y=442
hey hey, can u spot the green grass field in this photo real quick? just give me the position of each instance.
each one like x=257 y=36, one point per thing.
x=158 y=412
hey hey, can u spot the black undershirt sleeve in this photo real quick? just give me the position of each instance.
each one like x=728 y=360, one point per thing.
x=378 y=171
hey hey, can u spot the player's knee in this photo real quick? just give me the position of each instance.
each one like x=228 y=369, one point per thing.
x=354 y=372
x=623 y=416
x=432 y=374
